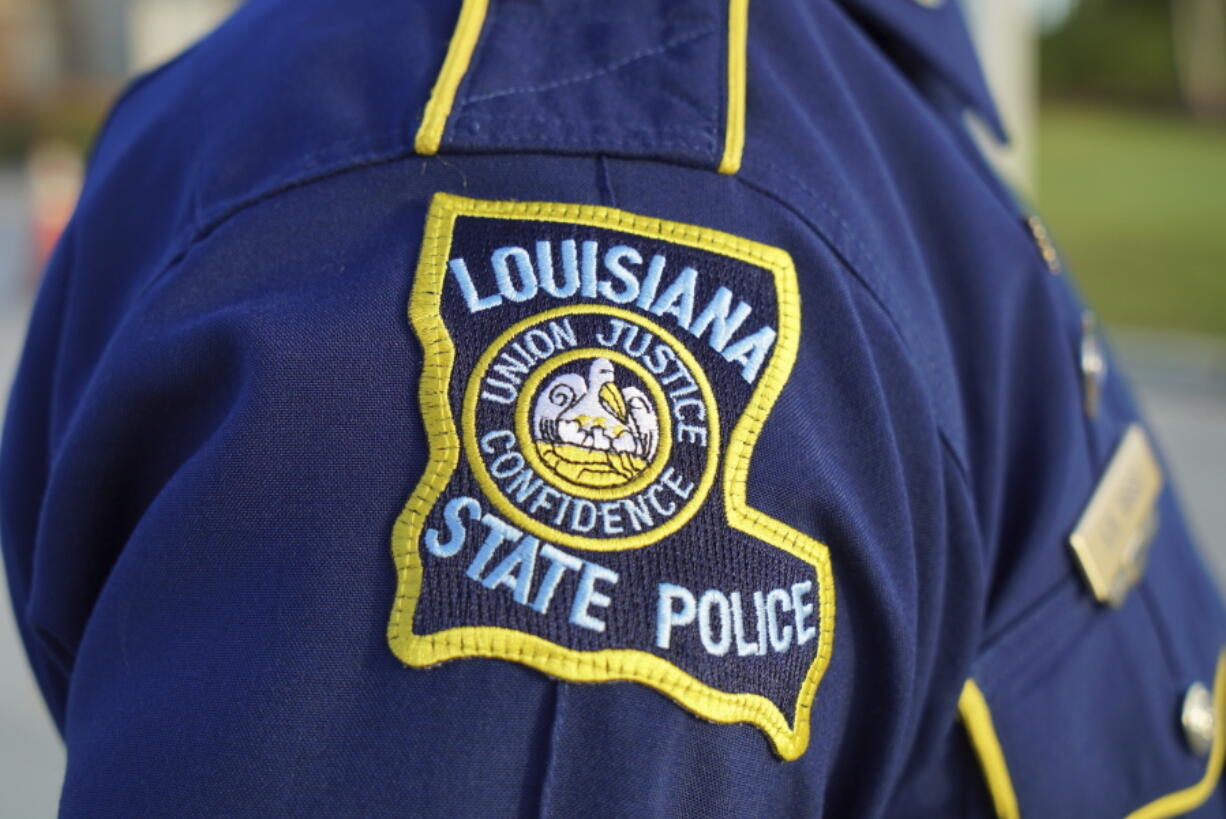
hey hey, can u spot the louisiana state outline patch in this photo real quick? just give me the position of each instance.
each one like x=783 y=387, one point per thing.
x=593 y=386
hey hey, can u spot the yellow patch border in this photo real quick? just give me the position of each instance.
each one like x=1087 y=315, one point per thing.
x=789 y=740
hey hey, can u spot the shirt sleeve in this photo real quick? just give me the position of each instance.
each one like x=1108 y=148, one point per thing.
x=204 y=477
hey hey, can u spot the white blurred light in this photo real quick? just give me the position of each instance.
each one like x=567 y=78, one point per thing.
x=1054 y=13
x=159 y=29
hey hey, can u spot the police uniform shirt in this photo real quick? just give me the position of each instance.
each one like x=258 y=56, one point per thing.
x=589 y=409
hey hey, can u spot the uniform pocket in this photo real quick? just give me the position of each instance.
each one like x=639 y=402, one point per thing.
x=1075 y=711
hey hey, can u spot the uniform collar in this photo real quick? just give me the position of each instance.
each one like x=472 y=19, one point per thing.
x=934 y=34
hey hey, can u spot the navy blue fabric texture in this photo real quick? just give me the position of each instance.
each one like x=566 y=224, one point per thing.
x=215 y=424
x=524 y=92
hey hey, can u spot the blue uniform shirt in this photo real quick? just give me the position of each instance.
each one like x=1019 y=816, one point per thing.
x=739 y=451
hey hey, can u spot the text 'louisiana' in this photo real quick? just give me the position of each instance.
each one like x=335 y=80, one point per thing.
x=618 y=276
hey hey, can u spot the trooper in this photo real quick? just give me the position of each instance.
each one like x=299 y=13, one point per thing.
x=494 y=408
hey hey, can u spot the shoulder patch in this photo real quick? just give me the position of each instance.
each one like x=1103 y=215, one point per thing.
x=593 y=386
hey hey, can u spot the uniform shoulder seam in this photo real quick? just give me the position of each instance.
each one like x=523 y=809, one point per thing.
x=199 y=230
x=948 y=437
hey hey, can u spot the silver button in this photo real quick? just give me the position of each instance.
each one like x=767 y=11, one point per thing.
x=1198 y=719
x=1093 y=363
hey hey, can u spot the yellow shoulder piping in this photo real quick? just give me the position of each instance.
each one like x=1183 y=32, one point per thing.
x=455 y=66
x=734 y=127
x=1192 y=797
x=977 y=718
x=468 y=31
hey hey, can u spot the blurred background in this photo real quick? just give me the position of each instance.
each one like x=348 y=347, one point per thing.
x=1117 y=109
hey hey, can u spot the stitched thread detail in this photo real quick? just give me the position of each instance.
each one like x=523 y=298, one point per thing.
x=472 y=120
x=701 y=139
x=594 y=73
x=562 y=139
x=855 y=239
x=790 y=739
x=854 y=264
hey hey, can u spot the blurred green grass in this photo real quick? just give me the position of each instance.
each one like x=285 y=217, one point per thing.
x=1137 y=202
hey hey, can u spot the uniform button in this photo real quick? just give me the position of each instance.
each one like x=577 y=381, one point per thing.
x=1198 y=719
x=1093 y=363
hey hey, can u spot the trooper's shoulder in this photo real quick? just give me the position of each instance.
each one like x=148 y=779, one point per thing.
x=279 y=94
x=713 y=317
x=669 y=81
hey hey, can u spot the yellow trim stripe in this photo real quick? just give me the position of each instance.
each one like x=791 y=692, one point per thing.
x=1191 y=798
x=734 y=128
x=468 y=32
x=455 y=65
x=977 y=718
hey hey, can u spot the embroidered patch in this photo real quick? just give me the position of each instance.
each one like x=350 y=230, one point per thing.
x=594 y=383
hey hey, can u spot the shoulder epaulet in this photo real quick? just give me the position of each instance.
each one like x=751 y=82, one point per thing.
x=620 y=80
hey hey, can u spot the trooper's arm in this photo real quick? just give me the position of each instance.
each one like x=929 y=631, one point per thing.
x=305 y=432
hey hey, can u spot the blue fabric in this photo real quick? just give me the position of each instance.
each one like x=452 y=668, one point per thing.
x=215 y=424
x=636 y=78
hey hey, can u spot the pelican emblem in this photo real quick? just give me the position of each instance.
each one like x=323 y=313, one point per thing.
x=592 y=431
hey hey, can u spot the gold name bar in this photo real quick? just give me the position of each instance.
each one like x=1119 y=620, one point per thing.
x=1112 y=537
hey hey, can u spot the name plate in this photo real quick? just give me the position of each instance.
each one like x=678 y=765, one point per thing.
x=1112 y=537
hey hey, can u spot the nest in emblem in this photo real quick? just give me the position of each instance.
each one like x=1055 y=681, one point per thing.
x=593 y=432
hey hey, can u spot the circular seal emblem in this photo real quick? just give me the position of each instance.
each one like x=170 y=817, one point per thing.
x=592 y=427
